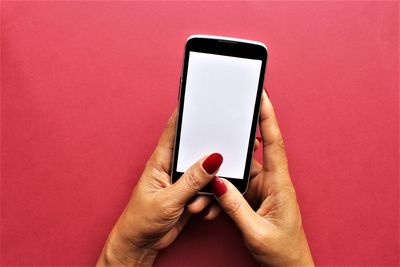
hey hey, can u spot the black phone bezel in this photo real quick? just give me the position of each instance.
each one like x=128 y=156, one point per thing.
x=227 y=48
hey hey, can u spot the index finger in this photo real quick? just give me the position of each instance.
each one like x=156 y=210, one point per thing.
x=168 y=136
x=274 y=155
x=162 y=155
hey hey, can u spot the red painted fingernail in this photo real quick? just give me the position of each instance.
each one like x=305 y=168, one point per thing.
x=259 y=139
x=212 y=163
x=218 y=187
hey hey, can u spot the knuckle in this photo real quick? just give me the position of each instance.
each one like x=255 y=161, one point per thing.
x=233 y=205
x=280 y=142
x=192 y=181
x=284 y=195
x=153 y=162
x=154 y=167
x=191 y=209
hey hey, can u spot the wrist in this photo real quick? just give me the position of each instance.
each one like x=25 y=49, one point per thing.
x=295 y=254
x=123 y=252
x=302 y=255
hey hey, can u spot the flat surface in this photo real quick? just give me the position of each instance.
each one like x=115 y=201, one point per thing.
x=87 y=88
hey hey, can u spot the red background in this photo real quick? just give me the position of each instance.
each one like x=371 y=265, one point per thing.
x=88 y=86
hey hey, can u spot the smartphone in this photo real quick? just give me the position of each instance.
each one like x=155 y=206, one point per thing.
x=219 y=104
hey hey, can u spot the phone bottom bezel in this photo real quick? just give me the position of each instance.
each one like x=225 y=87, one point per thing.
x=240 y=184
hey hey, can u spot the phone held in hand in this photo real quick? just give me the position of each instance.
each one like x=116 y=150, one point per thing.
x=219 y=104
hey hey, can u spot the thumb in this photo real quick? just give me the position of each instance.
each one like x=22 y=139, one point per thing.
x=194 y=179
x=233 y=202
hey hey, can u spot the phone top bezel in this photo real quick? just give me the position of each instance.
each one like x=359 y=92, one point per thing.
x=225 y=46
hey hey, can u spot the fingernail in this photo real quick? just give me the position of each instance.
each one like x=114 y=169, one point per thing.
x=212 y=163
x=259 y=139
x=218 y=187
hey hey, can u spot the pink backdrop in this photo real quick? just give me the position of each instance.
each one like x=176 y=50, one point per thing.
x=87 y=89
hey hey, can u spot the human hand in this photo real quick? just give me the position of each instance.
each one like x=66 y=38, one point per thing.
x=157 y=210
x=270 y=219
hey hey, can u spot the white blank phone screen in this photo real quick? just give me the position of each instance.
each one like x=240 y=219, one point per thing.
x=218 y=111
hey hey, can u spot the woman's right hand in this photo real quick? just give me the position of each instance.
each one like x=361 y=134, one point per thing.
x=273 y=230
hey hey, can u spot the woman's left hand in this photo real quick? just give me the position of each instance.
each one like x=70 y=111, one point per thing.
x=158 y=210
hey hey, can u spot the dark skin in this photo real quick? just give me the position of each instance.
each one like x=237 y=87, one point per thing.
x=268 y=215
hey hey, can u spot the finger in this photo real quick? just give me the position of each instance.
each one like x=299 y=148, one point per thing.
x=255 y=169
x=199 y=204
x=213 y=212
x=253 y=189
x=233 y=203
x=175 y=230
x=253 y=192
x=194 y=179
x=274 y=155
x=162 y=155
x=182 y=222
x=168 y=136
